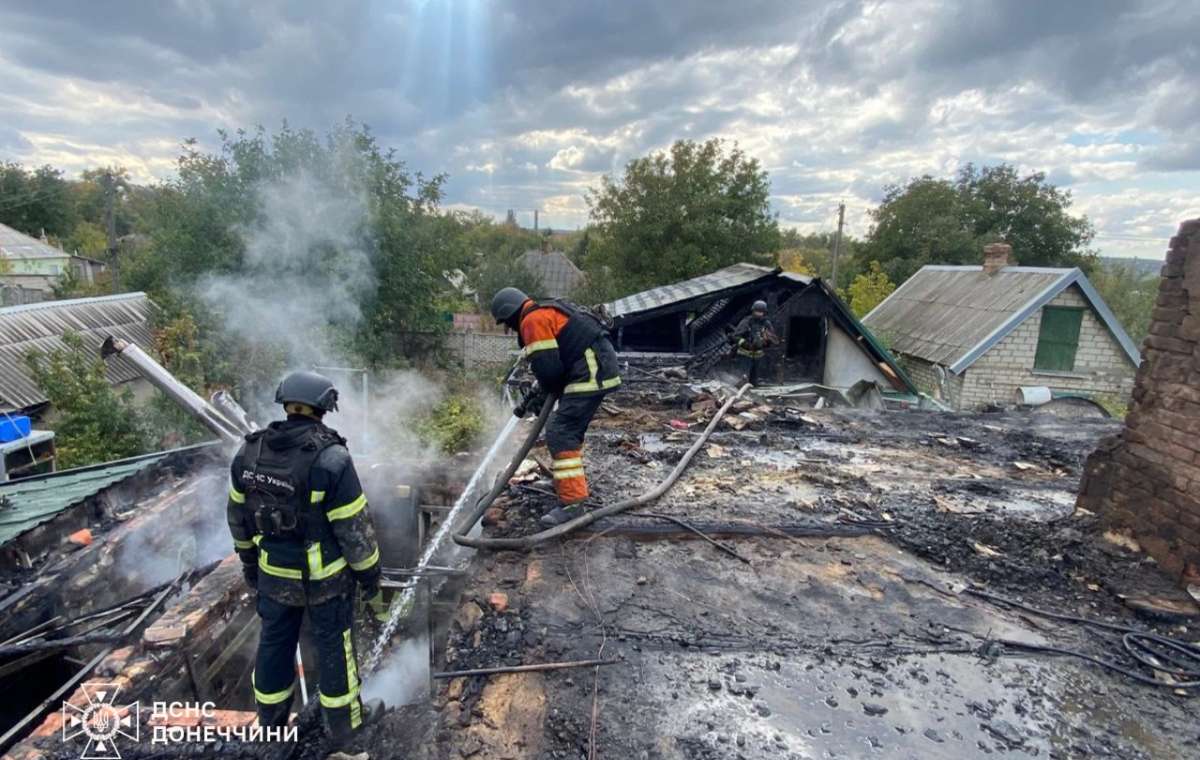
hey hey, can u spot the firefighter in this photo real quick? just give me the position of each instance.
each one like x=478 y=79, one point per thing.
x=570 y=354
x=751 y=339
x=300 y=526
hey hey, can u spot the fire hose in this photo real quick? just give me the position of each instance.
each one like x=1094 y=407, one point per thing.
x=528 y=542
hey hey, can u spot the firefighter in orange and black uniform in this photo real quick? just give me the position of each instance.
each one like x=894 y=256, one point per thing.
x=301 y=527
x=570 y=354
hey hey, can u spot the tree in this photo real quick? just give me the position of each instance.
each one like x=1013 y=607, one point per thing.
x=868 y=290
x=1130 y=295
x=35 y=201
x=937 y=221
x=681 y=213
x=93 y=422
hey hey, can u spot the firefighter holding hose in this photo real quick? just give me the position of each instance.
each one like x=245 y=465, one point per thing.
x=300 y=525
x=570 y=354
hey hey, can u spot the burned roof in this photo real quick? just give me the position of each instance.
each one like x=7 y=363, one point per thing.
x=952 y=315
x=29 y=502
x=40 y=327
x=17 y=245
x=558 y=274
x=736 y=276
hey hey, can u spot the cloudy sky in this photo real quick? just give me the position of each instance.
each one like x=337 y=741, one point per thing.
x=525 y=104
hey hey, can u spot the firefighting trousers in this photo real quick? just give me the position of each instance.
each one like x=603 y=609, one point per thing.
x=749 y=366
x=564 y=437
x=275 y=666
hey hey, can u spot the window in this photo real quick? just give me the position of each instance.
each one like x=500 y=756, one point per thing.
x=1058 y=339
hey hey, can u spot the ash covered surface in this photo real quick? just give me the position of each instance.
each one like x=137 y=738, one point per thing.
x=819 y=647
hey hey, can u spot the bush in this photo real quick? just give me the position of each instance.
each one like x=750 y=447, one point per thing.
x=454 y=425
x=93 y=422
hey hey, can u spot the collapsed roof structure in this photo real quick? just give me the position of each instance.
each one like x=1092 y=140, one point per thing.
x=821 y=341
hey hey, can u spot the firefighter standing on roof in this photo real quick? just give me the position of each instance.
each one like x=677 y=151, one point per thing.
x=570 y=354
x=300 y=526
x=751 y=339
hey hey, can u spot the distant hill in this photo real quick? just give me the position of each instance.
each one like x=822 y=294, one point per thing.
x=1141 y=266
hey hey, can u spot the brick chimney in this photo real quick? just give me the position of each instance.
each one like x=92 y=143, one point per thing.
x=995 y=257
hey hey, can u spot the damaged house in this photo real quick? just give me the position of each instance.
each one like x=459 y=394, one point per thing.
x=972 y=336
x=821 y=342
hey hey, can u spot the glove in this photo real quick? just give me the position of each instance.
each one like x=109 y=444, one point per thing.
x=250 y=575
x=531 y=401
x=368 y=584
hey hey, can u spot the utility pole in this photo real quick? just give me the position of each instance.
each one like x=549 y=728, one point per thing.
x=535 y=220
x=837 y=242
x=110 y=222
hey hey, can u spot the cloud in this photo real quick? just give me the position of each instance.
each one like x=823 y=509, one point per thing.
x=526 y=104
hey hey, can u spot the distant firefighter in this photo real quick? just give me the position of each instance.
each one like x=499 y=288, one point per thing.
x=300 y=526
x=751 y=339
x=570 y=354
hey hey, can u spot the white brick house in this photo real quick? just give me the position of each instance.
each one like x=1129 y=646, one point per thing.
x=973 y=335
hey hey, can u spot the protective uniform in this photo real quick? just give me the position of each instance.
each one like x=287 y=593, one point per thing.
x=300 y=525
x=569 y=353
x=751 y=338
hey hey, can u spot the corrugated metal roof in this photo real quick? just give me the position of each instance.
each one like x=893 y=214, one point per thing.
x=40 y=326
x=18 y=245
x=558 y=274
x=952 y=315
x=722 y=279
x=32 y=501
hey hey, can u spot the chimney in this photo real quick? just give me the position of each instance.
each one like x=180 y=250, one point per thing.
x=995 y=257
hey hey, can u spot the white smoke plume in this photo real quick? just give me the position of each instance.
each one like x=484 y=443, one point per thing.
x=404 y=676
x=306 y=268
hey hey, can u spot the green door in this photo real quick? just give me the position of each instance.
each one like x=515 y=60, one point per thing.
x=1058 y=338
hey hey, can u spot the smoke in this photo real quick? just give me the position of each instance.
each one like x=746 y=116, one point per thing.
x=305 y=271
x=190 y=532
x=404 y=676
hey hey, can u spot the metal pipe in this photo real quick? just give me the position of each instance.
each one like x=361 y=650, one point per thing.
x=160 y=378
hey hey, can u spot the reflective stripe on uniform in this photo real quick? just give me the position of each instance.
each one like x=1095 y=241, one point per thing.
x=572 y=473
x=585 y=386
x=611 y=382
x=241 y=545
x=264 y=564
x=565 y=464
x=350 y=698
x=317 y=569
x=541 y=345
x=316 y=497
x=236 y=496
x=348 y=510
x=371 y=560
x=272 y=697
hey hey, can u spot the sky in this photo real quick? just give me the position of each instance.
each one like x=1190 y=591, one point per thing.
x=525 y=105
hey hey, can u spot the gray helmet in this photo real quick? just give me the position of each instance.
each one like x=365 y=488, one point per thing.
x=759 y=306
x=308 y=388
x=506 y=303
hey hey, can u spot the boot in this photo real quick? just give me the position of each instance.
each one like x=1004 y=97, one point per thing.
x=343 y=740
x=560 y=515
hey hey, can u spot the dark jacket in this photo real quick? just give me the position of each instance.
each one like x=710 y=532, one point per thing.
x=338 y=542
x=568 y=349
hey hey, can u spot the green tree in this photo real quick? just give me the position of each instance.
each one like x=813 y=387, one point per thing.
x=92 y=421
x=938 y=221
x=681 y=213
x=1130 y=295
x=36 y=201
x=868 y=290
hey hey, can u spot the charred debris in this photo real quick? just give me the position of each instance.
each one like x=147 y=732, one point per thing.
x=837 y=573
